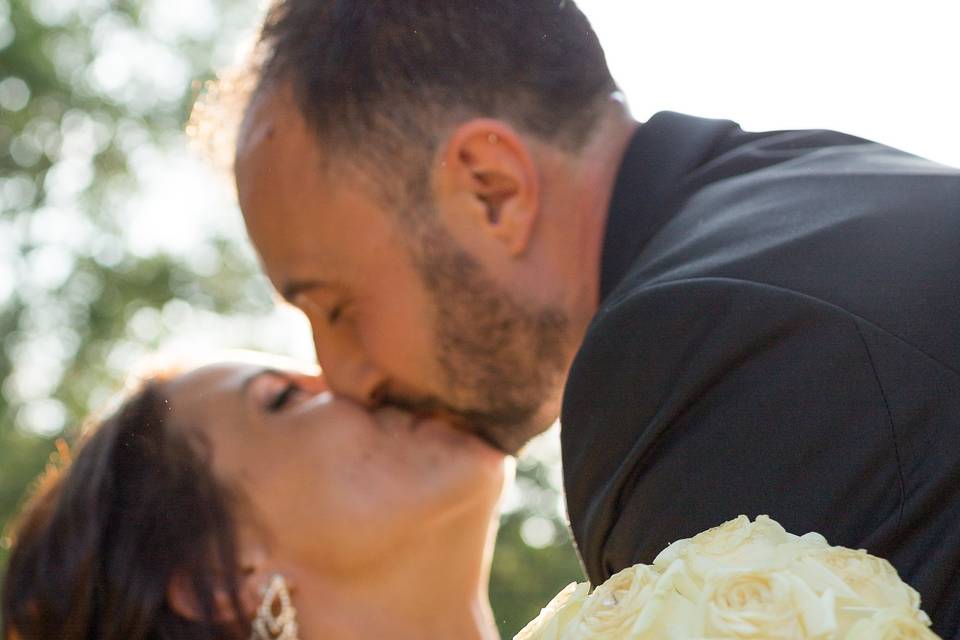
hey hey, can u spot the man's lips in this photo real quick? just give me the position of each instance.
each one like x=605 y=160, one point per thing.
x=454 y=420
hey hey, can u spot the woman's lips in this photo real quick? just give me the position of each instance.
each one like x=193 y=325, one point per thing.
x=437 y=425
x=459 y=434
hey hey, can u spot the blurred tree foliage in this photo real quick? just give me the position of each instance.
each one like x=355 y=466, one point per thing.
x=534 y=557
x=94 y=95
x=80 y=100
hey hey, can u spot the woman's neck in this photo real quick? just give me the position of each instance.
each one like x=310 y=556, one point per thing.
x=436 y=588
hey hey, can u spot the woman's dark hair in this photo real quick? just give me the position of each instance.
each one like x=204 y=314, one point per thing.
x=97 y=546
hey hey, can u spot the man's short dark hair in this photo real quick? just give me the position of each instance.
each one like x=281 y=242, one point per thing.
x=381 y=80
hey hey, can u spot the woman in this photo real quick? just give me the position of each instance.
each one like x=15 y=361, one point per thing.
x=236 y=499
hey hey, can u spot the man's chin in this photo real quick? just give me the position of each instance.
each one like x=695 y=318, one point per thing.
x=510 y=429
x=499 y=436
x=511 y=437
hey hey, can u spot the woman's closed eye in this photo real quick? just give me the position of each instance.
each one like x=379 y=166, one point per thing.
x=274 y=391
x=283 y=398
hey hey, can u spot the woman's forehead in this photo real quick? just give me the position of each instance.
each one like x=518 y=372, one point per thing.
x=209 y=377
x=230 y=370
x=246 y=357
x=198 y=394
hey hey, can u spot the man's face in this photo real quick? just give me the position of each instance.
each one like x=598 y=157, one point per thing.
x=398 y=316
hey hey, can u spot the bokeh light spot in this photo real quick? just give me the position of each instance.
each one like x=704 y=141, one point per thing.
x=538 y=532
x=14 y=94
x=44 y=417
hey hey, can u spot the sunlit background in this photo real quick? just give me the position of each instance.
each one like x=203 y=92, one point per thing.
x=117 y=242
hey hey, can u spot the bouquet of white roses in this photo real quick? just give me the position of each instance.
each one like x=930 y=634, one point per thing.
x=741 y=580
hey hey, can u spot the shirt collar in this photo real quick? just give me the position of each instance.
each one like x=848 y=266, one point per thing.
x=652 y=185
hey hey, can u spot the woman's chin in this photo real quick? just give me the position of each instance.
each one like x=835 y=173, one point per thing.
x=459 y=440
x=463 y=473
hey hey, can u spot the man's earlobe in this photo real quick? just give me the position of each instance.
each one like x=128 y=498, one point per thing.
x=489 y=171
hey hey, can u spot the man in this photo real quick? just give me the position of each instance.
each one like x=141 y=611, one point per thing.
x=735 y=322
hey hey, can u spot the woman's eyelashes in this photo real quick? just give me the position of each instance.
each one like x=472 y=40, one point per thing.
x=283 y=398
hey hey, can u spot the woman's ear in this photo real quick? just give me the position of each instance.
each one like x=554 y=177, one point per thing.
x=183 y=599
x=252 y=574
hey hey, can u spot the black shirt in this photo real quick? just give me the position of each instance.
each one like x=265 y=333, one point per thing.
x=779 y=333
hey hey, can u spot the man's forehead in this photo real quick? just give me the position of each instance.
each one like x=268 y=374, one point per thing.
x=277 y=170
x=271 y=122
x=256 y=130
x=305 y=216
x=275 y=134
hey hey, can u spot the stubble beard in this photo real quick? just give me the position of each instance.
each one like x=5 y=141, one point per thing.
x=502 y=359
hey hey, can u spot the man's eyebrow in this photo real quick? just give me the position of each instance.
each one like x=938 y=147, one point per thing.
x=293 y=288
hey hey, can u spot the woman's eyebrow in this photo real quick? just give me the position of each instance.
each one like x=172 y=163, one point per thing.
x=266 y=371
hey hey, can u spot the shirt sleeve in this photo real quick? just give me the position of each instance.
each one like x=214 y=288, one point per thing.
x=692 y=402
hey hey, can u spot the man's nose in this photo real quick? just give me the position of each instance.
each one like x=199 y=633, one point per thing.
x=312 y=383
x=349 y=372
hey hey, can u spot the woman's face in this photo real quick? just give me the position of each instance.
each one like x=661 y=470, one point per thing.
x=330 y=482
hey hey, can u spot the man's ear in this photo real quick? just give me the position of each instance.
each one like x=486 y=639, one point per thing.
x=486 y=180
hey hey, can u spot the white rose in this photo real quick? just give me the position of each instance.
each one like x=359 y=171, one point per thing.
x=716 y=541
x=891 y=625
x=557 y=615
x=614 y=606
x=638 y=602
x=737 y=543
x=742 y=580
x=764 y=604
x=861 y=582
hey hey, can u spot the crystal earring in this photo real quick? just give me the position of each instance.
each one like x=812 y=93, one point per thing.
x=276 y=618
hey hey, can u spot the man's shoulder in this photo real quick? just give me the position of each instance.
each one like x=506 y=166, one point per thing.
x=863 y=227
x=693 y=191
x=719 y=148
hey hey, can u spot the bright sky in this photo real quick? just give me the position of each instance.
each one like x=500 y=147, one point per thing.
x=884 y=70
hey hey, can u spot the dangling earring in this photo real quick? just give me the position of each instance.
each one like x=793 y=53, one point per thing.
x=271 y=624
